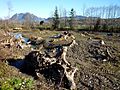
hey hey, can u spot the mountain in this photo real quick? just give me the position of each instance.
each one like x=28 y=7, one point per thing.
x=78 y=17
x=21 y=17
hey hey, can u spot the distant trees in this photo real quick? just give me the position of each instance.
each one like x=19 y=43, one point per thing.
x=65 y=17
x=60 y=20
x=106 y=15
x=111 y=11
x=96 y=18
x=10 y=8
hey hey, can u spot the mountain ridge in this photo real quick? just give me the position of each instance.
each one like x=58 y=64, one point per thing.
x=21 y=17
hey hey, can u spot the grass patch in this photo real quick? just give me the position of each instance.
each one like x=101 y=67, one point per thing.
x=16 y=84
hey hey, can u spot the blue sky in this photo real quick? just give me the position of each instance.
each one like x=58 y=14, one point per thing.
x=44 y=8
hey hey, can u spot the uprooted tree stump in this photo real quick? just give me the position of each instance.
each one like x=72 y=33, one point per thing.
x=54 y=67
x=102 y=52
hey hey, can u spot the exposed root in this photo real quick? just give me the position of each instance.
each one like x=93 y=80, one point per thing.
x=42 y=62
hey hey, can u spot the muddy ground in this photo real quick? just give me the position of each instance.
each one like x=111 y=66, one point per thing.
x=98 y=64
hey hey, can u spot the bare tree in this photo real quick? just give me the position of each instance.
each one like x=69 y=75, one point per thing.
x=65 y=17
x=115 y=11
x=56 y=21
x=61 y=22
x=83 y=9
x=107 y=13
x=10 y=8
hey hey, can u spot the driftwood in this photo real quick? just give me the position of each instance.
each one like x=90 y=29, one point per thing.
x=40 y=62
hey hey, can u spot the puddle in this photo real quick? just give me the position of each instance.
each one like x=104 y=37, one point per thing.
x=22 y=66
x=19 y=35
x=17 y=63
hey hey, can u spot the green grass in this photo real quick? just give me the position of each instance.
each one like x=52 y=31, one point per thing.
x=16 y=84
x=11 y=79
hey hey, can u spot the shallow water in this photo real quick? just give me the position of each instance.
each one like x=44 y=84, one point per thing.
x=17 y=63
x=19 y=35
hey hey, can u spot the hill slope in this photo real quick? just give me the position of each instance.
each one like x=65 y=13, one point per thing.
x=21 y=17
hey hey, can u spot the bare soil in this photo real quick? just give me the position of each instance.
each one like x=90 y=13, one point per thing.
x=99 y=65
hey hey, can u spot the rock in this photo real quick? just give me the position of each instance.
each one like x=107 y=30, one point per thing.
x=110 y=34
x=104 y=60
x=36 y=41
x=83 y=35
x=102 y=42
x=17 y=28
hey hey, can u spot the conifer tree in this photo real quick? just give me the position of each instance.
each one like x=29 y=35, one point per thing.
x=71 y=19
x=56 y=21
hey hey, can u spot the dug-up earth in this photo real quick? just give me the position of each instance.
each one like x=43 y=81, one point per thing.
x=97 y=57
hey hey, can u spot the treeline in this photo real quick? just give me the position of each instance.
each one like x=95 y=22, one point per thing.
x=63 y=22
x=106 y=18
x=112 y=11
